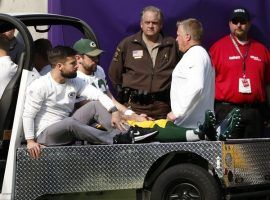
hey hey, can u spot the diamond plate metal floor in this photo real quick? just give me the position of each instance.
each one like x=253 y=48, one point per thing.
x=107 y=195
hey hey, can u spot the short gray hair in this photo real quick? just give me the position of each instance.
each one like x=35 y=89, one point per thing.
x=193 y=27
x=153 y=9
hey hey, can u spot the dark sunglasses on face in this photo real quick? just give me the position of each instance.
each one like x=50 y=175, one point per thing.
x=236 y=21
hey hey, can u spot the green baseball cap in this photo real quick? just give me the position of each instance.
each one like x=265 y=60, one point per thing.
x=88 y=47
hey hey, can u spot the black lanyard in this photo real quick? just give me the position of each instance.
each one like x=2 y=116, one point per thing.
x=244 y=57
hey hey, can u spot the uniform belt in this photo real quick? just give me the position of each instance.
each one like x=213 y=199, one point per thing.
x=148 y=98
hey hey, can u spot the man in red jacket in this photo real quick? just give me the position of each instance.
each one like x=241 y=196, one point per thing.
x=242 y=75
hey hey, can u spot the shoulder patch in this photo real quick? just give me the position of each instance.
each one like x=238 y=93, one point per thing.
x=116 y=55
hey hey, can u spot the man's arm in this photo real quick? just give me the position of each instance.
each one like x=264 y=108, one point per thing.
x=33 y=102
x=171 y=116
x=118 y=105
x=116 y=68
x=127 y=113
x=34 y=148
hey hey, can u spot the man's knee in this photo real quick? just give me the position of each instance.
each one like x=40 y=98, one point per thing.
x=88 y=110
x=70 y=123
x=96 y=104
x=58 y=134
x=91 y=104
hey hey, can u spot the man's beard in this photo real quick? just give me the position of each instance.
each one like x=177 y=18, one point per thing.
x=240 y=34
x=92 y=68
x=69 y=75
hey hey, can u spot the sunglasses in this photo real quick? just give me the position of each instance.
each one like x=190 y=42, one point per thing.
x=236 y=21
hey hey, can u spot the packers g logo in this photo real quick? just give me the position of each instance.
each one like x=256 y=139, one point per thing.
x=92 y=44
x=72 y=95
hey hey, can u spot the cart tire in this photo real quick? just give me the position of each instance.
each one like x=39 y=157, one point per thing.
x=185 y=181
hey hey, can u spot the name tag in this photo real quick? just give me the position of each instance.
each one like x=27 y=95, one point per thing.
x=137 y=54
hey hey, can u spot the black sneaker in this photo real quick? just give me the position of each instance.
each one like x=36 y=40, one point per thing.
x=124 y=138
x=208 y=127
x=141 y=134
x=227 y=126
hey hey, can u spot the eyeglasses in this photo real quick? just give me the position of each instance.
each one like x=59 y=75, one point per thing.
x=236 y=21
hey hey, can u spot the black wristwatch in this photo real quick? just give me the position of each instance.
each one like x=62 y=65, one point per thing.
x=113 y=109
